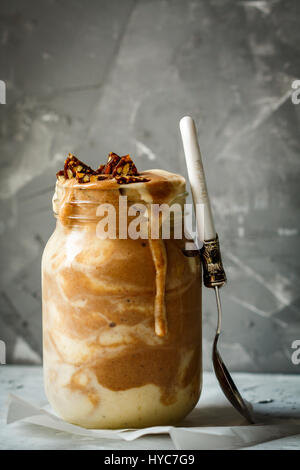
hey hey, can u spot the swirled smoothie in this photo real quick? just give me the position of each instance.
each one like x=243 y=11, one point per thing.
x=121 y=316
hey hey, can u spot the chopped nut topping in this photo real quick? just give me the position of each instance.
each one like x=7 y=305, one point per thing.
x=60 y=175
x=113 y=160
x=126 y=179
x=125 y=167
x=100 y=170
x=121 y=168
x=74 y=166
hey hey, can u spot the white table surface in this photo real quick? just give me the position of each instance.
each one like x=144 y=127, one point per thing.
x=281 y=393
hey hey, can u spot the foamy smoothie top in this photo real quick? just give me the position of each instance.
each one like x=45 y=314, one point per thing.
x=121 y=174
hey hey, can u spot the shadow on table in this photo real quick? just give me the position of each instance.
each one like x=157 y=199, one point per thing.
x=228 y=416
x=213 y=416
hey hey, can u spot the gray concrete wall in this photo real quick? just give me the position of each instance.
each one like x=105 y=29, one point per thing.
x=91 y=77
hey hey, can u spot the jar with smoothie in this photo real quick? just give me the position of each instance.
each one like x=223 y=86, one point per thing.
x=121 y=315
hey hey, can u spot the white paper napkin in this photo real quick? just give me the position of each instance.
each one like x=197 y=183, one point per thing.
x=213 y=424
x=229 y=437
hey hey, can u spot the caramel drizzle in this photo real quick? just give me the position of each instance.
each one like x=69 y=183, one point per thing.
x=159 y=256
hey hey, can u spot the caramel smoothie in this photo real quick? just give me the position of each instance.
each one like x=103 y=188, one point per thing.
x=121 y=316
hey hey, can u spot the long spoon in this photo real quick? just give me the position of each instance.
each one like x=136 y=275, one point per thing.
x=213 y=271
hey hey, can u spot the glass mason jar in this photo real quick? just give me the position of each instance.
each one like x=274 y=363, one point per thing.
x=121 y=316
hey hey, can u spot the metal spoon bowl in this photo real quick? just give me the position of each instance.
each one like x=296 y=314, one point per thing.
x=224 y=378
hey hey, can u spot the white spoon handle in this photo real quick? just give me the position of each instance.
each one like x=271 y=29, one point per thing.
x=205 y=224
